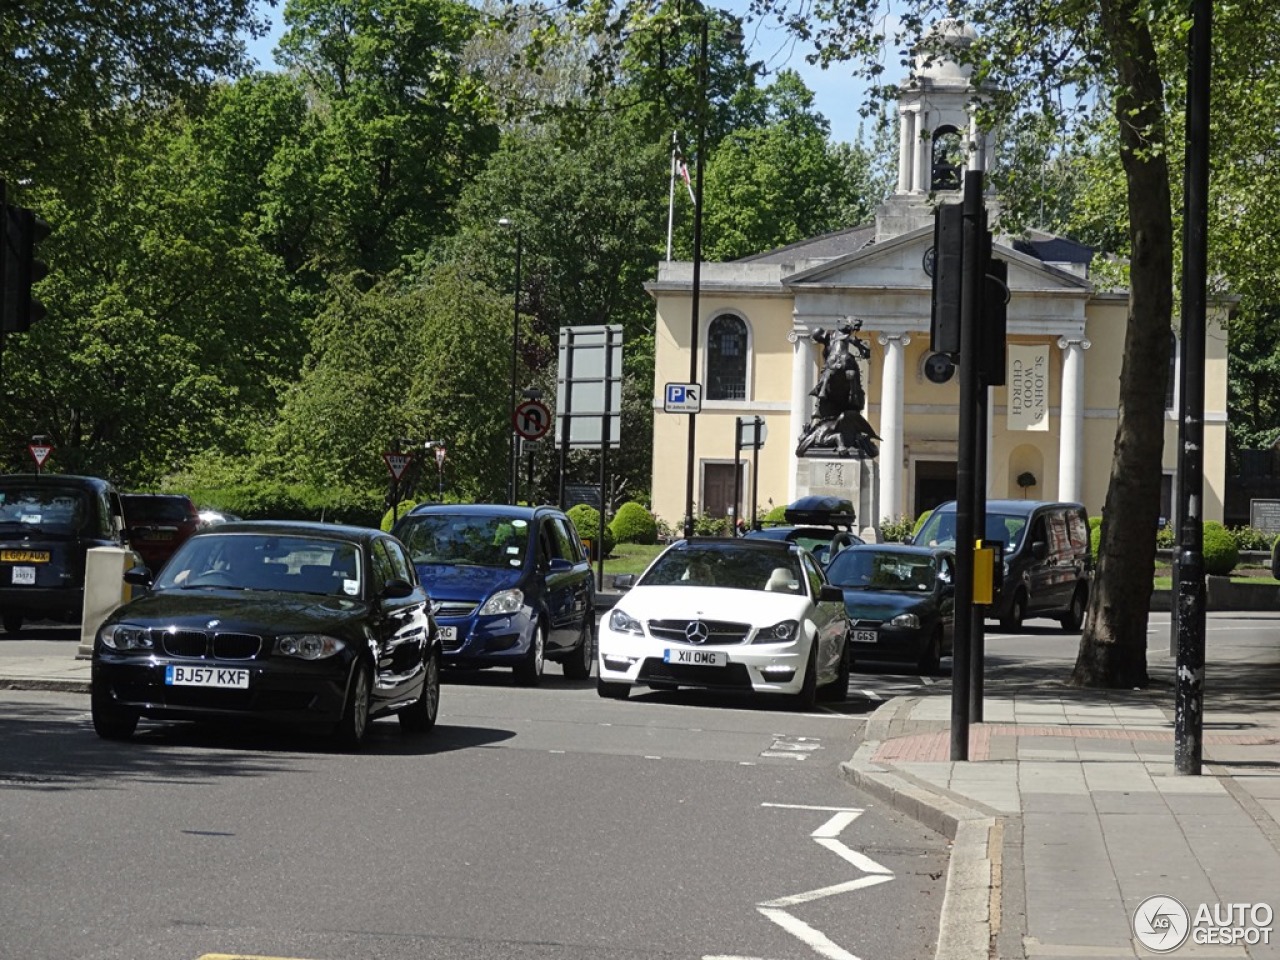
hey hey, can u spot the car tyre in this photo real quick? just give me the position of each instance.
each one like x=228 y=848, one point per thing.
x=578 y=666
x=354 y=725
x=838 y=689
x=109 y=721
x=12 y=621
x=1011 y=622
x=807 y=698
x=930 y=661
x=528 y=672
x=613 y=691
x=1073 y=619
x=421 y=716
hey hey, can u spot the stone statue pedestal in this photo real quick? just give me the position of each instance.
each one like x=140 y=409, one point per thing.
x=845 y=477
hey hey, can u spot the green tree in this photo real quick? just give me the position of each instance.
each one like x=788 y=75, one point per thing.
x=167 y=319
x=403 y=127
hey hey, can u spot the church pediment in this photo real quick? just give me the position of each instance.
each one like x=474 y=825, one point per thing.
x=898 y=264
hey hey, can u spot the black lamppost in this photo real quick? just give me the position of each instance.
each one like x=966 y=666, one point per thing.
x=513 y=459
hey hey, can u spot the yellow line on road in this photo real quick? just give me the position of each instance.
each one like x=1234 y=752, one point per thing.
x=240 y=956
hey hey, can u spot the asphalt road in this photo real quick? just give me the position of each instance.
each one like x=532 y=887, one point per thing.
x=533 y=823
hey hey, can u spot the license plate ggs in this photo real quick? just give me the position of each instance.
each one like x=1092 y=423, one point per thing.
x=864 y=636
x=177 y=675
x=696 y=658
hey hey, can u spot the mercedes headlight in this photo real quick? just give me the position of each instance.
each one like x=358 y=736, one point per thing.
x=622 y=622
x=784 y=632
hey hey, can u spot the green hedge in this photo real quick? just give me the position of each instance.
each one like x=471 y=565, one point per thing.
x=272 y=500
x=587 y=520
x=896 y=531
x=1220 y=551
x=634 y=524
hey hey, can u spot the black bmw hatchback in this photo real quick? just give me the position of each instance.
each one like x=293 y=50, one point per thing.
x=297 y=623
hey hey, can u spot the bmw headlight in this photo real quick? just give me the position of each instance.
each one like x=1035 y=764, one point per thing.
x=503 y=602
x=906 y=621
x=125 y=637
x=308 y=646
x=783 y=632
x=622 y=622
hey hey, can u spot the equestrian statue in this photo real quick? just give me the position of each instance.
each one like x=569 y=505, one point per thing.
x=837 y=424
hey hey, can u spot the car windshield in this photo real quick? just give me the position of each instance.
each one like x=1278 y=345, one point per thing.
x=724 y=566
x=260 y=561
x=42 y=507
x=459 y=539
x=940 y=530
x=883 y=570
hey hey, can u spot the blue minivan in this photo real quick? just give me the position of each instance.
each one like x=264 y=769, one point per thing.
x=510 y=586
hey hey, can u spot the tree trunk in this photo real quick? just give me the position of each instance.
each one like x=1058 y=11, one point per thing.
x=1113 y=647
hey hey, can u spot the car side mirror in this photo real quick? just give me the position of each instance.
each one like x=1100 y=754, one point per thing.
x=1039 y=549
x=559 y=565
x=138 y=576
x=396 y=589
x=624 y=581
x=831 y=593
x=909 y=539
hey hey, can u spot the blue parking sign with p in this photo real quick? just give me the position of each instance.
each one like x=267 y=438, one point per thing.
x=682 y=398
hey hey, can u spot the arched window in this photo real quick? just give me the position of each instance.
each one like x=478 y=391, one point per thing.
x=727 y=358
x=948 y=159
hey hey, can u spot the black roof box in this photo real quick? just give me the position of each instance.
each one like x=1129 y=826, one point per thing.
x=821 y=512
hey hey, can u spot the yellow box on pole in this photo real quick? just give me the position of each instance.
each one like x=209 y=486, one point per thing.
x=984 y=564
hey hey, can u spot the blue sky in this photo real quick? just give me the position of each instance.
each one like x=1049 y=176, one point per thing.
x=837 y=95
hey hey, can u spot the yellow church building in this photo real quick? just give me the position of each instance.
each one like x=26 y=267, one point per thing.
x=1050 y=432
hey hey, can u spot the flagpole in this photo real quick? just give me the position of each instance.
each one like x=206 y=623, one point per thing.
x=671 y=196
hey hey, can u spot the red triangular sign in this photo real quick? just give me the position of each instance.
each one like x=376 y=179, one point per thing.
x=397 y=463
x=40 y=452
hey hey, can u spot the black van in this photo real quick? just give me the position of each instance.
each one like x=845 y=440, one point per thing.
x=1047 y=562
x=47 y=523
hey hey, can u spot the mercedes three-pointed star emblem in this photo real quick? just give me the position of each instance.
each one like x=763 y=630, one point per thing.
x=696 y=632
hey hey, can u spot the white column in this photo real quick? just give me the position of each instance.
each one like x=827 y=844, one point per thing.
x=923 y=171
x=801 y=402
x=891 y=394
x=975 y=144
x=905 y=132
x=1071 y=446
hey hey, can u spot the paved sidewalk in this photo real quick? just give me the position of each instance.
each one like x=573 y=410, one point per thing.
x=1069 y=815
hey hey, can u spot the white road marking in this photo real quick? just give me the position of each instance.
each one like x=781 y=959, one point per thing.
x=855 y=857
x=823 y=892
x=805 y=806
x=872 y=695
x=825 y=836
x=815 y=940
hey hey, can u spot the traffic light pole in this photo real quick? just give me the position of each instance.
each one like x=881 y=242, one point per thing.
x=971 y=267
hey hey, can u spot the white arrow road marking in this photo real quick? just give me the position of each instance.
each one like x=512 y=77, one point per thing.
x=826 y=837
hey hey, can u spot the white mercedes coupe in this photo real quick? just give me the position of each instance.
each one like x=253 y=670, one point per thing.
x=756 y=616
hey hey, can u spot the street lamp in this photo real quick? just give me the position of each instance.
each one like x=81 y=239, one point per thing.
x=513 y=459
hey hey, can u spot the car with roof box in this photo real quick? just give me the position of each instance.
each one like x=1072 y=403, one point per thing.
x=822 y=525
